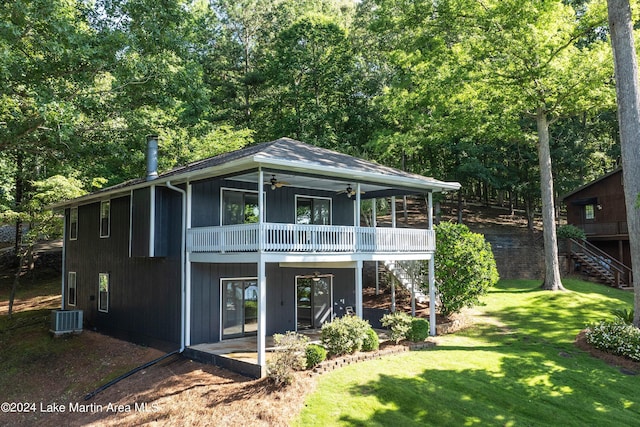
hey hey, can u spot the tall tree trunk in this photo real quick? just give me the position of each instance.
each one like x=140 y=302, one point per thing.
x=552 y=280
x=19 y=184
x=628 y=96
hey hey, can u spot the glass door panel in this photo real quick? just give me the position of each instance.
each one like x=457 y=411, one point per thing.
x=313 y=301
x=303 y=301
x=239 y=308
x=250 y=308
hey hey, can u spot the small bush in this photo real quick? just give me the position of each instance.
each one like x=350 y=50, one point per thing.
x=288 y=357
x=316 y=354
x=344 y=335
x=616 y=337
x=624 y=314
x=570 y=232
x=419 y=330
x=398 y=323
x=371 y=341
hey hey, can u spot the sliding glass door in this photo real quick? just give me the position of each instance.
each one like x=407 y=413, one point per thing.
x=239 y=307
x=313 y=301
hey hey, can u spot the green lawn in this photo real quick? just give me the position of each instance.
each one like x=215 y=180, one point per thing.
x=516 y=367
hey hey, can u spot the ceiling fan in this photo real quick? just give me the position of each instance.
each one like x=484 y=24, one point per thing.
x=275 y=183
x=349 y=191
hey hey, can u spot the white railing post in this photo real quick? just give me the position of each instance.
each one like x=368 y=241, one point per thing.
x=272 y=237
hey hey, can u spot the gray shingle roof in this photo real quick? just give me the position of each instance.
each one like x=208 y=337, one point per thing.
x=284 y=152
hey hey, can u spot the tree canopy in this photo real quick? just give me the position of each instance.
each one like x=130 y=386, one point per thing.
x=514 y=99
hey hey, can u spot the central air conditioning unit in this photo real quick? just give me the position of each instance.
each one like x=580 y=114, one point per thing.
x=66 y=322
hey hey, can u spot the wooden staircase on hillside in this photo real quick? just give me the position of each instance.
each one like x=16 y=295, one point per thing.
x=596 y=263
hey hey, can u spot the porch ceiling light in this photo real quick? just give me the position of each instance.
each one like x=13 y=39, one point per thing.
x=316 y=276
x=275 y=183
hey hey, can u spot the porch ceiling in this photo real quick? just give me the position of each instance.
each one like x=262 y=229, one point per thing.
x=337 y=185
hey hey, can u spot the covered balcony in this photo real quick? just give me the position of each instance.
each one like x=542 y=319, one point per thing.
x=304 y=238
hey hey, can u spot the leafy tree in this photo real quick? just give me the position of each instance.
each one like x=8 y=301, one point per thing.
x=544 y=57
x=43 y=223
x=464 y=267
x=628 y=97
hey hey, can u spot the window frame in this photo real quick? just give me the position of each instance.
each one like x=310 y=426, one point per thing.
x=104 y=203
x=312 y=198
x=243 y=192
x=590 y=212
x=73 y=225
x=72 y=284
x=107 y=291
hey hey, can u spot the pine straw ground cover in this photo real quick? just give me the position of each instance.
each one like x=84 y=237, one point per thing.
x=517 y=365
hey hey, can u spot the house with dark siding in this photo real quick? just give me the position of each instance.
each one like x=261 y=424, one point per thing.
x=258 y=241
x=598 y=208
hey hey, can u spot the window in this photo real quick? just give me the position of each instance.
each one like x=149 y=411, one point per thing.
x=71 y=288
x=105 y=218
x=239 y=207
x=313 y=210
x=103 y=292
x=589 y=212
x=73 y=224
x=239 y=307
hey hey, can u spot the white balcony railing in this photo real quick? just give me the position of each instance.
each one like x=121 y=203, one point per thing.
x=275 y=237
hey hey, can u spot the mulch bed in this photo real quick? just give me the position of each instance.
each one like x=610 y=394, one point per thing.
x=626 y=365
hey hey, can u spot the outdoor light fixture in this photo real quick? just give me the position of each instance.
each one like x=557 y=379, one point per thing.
x=316 y=276
x=275 y=183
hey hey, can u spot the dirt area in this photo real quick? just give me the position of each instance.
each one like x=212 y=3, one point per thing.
x=627 y=366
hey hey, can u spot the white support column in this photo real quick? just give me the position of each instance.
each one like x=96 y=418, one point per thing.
x=432 y=297
x=359 y=288
x=358 y=207
x=187 y=274
x=152 y=220
x=261 y=236
x=374 y=213
x=391 y=278
x=262 y=315
x=374 y=216
x=430 y=210
x=393 y=211
x=262 y=281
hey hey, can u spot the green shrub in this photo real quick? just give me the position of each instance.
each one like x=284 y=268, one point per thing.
x=344 y=335
x=316 y=354
x=419 y=330
x=464 y=266
x=371 y=341
x=624 y=314
x=616 y=337
x=570 y=232
x=288 y=357
x=398 y=323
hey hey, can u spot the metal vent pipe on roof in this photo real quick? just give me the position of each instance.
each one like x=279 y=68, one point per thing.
x=152 y=157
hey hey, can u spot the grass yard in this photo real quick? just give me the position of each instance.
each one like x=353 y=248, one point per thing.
x=517 y=366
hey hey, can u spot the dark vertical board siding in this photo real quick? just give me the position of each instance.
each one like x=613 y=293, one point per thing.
x=144 y=298
x=140 y=222
x=168 y=222
x=280 y=203
x=205 y=295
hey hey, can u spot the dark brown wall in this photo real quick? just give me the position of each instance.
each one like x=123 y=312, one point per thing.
x=610 y=196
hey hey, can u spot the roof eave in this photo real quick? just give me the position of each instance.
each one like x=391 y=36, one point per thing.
x=371 y=177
